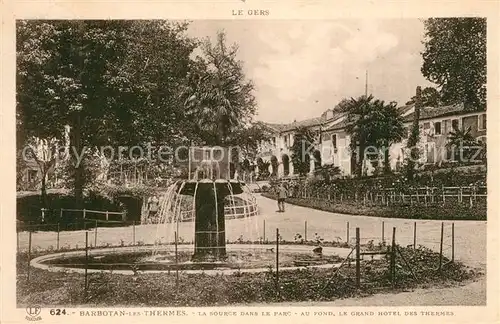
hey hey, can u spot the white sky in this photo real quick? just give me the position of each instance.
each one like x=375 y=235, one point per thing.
x=303 y=67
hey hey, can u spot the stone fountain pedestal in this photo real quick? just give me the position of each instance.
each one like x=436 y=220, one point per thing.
x=210 y=235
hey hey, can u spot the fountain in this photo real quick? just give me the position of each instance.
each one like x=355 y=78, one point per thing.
x=209 y=185
x=211 y=191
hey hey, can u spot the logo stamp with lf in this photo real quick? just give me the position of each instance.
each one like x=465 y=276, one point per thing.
x=33 y=313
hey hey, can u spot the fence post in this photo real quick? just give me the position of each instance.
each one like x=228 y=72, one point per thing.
x=305 y=231
x=29 y=254
x=84 y=213
x=107 y=215
x=264 y=229
x=277 y=261
x=58 y=231
x=95 y=234
x=176 y=265
x=60 y=215
x=452 y=242
x=414 y=235
x=358 y=261
x=17 y=234
x=133 y=232
x=383 y=229
x=347 y=233
x=393 y=257
x=86 y=262
x=441 y=247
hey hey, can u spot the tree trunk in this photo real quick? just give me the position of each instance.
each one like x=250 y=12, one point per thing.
x=44 y=188
x=361 y=159
x=79 y=180
x=387 y=166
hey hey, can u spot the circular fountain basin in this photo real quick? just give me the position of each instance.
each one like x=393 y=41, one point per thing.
x=240 y=258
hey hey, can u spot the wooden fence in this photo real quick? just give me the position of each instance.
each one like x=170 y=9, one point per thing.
x=412 y=196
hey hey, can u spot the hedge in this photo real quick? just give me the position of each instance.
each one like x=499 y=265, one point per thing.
x=449 y=211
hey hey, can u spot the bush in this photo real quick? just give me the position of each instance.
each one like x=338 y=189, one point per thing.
x=451 y=211
x=29 y=208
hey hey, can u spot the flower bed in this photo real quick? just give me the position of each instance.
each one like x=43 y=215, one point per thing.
x=451 y=211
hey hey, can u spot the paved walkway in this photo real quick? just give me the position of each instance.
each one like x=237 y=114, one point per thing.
x=471 y=294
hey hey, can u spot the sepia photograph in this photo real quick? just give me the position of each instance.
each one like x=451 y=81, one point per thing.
x=212 y=163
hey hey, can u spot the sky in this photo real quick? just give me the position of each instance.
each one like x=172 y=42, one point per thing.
x=301 y=68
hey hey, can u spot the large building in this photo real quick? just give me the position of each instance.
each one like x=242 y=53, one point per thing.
x=332 y=144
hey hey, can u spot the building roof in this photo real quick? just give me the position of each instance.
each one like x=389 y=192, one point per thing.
x=435 y=112
x=310 y=122
x=407 y=111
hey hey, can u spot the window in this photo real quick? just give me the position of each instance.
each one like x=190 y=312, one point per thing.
x=454 y=124
x=481 y=123
x=427 y=125
x=447 y=126
x=437 y=128
x=334 y=140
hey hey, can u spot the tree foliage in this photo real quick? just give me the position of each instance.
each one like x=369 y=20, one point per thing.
x=373 y=125
x=430 y=98
x=455 y=59
x=127 y=83
x=302 y=148
x=219 y=99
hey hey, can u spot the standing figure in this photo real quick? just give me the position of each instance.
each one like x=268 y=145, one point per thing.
x=282 y=194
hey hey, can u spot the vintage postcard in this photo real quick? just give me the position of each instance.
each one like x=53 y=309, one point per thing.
x=249 y=160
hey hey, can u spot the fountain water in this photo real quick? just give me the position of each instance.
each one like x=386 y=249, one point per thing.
x=209 y=190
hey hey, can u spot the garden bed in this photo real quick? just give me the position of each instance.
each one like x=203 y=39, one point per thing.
x=449 y=211
x=307 y=284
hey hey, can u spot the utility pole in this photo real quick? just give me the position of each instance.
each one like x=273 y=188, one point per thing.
x=366 y=84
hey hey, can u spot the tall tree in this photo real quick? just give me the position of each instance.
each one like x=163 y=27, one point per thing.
x=359 y=116
x=372 y=124
x=219 y=98
x=430 y=98
x=414 y=138
x=109 y=80
x=302 y=149
x=388 y=128
x=455 y=59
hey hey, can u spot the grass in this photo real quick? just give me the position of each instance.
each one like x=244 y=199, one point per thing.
x=449 y=211
x=308 y=284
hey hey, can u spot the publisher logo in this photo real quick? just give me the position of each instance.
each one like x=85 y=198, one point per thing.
x=33 y=313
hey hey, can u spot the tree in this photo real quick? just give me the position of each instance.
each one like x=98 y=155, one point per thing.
x=372 y=124
x=455 y=59
x=248 y=138
x=327 y=171
x=302 y=148
x=45 y=153
x=430 y=98
x=114 y=82
x=219 y=99
x=64 y=69
x=413 y=139
x=388 y=129
x=463 y=146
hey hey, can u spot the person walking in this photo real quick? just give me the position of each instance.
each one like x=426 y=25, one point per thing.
x=282 y=194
